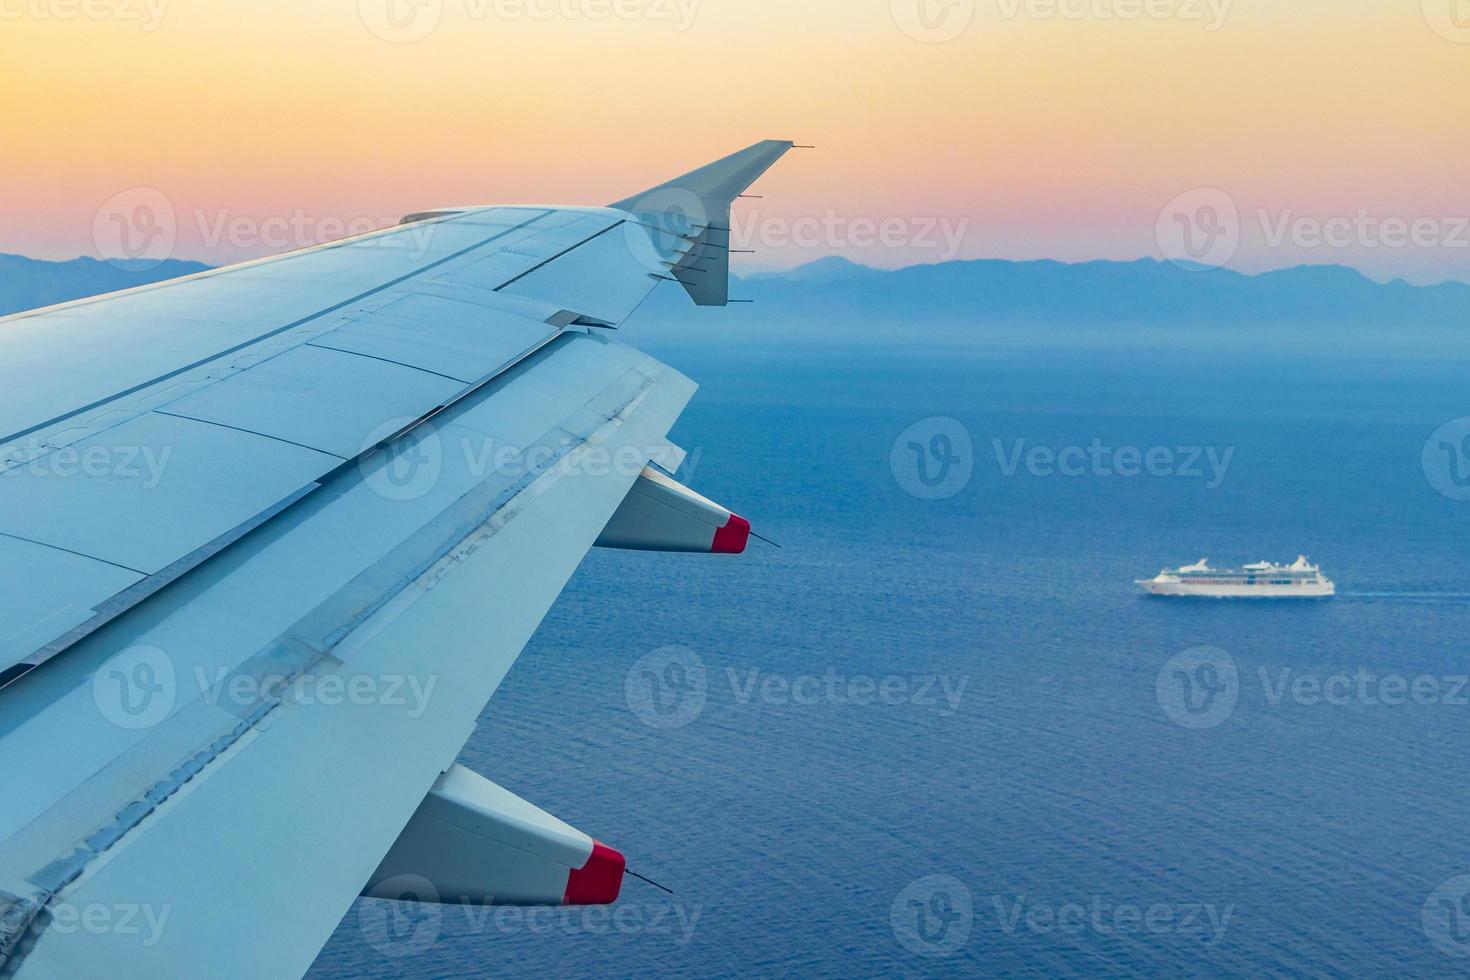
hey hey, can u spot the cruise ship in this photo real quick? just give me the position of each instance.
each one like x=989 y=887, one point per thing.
x=1263 y=580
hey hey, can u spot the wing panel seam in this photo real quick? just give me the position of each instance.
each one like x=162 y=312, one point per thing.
x=248 y=432
x=266 y=336
x=564 y=252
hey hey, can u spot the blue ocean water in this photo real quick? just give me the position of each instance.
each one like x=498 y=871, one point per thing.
x=1097 y=799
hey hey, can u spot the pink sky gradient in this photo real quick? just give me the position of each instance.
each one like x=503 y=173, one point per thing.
x=267 y=125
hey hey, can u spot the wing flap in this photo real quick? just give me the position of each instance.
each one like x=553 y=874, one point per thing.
x=58 y=592
x=165 y=487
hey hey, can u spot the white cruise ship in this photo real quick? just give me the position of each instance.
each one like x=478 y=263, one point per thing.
x=1263 y=580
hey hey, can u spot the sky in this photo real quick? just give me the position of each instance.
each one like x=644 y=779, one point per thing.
x=1255 y=134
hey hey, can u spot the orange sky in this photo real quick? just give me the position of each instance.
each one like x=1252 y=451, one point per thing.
x=1041 y=128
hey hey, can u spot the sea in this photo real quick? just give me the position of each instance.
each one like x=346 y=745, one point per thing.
x=940 y=730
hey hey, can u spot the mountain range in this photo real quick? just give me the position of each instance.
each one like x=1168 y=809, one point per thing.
x=1141 y=293
x=26 y=284
x=967 y=293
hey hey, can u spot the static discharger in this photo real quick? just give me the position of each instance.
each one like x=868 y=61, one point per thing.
x=650 y=881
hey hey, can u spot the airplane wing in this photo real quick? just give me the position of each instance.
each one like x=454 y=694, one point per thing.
x=275 y=534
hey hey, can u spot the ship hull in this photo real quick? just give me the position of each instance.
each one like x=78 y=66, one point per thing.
x=1314 y=590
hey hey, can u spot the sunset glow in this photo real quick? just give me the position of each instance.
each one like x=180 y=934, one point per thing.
x=1052 y=128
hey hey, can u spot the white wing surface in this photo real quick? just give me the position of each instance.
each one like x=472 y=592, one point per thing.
x=276 y=533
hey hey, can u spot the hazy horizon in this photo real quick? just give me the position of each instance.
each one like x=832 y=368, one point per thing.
x=745 y=269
